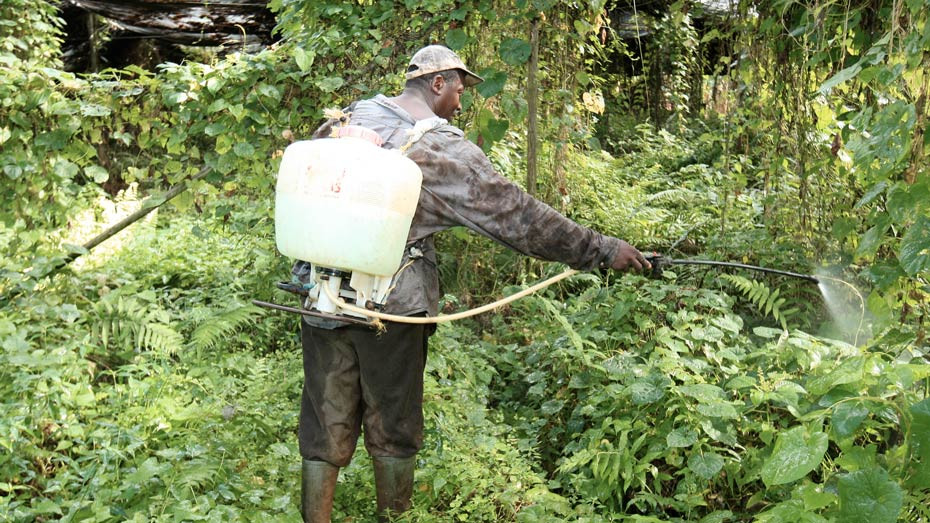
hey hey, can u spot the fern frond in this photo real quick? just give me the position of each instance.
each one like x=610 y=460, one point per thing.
x=767 y=301
x=160 y=337
x=224 y=323
x=129 y=325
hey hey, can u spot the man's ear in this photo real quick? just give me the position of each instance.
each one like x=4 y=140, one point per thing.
x=437 y=84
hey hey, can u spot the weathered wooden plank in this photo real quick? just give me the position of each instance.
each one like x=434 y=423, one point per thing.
x=191 y=23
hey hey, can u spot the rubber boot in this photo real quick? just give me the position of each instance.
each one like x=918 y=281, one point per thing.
x=318 y=483
x=394 y=485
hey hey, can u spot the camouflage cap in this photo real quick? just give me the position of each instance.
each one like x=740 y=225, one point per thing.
x=436 y=58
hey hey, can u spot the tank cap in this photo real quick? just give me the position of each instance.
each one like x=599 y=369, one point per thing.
x=357 y=131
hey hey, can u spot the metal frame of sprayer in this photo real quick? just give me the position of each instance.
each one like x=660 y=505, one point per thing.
x=367 y=291
x=364 y=290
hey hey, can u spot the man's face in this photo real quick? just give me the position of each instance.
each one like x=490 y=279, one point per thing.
x=448 y=102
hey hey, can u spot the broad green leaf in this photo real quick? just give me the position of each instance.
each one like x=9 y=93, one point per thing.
x=544 y=5
x=869 y=496
x=644 y=391
x=915 y=248
x=492 y=128
x=88 y=109
x=791 y=511
x=900 y=203
x=47 y=506
x=582 y=27
x=766 y=332
x=514 y=51
x=705 y=465
x=847 y=417
x=146 y=471
x=870 y=195
x=710 y=333
x=456 y=39
x=16 y=343
x=814 y=496
x=330 y=83
x=493 y=83
x=74 y=248
x=718 y=409
x=551 y=407
x=857 y=458
x=681 y=437
x=850 y=371
x=304 y=58
x=741 y=382
x=96 y=173
x=730 y=322
x=842 y=227
x=66 y=170
x=840 y=77
x=244 y=149
x=215 y=129
x=920 y=429
x=703 y=392
x=796 y=454
x=719 y=431
x=872 y=240
x=83 y=396
x=215 y=83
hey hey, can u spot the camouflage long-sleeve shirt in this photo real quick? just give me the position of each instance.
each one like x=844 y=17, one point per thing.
x=461 y=187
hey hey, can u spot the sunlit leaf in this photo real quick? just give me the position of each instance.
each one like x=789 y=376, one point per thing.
x=330 y=83
x=303 y=58
x=96 y=173
x=681 y=437
x=915 y=247
x=840 y=77
x=797 y=452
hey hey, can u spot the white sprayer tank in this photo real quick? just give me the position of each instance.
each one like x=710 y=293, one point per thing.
x=345 y=203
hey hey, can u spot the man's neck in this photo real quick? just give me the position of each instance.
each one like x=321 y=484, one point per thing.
x=415 y=105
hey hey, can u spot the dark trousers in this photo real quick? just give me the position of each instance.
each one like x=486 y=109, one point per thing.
x=354 y=378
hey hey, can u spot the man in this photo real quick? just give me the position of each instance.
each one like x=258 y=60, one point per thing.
x=354 y=377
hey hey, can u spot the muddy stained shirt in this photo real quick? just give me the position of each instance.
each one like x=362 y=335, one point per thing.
x=461 y=187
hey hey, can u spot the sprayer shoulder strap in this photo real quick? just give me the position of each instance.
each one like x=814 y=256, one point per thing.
x=421 y=128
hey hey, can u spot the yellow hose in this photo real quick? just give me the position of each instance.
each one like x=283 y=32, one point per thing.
x=445 y=317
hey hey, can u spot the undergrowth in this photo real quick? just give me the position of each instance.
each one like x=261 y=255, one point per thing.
x=143 y=386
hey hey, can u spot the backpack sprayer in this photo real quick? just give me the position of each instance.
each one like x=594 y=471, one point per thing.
x=345 y=205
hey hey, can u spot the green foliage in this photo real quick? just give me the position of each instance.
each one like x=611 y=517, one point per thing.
x=645 y=394
x=140 y=387
x=125 y=325
x=766 y=300
x=214 y=327
x=30 y=30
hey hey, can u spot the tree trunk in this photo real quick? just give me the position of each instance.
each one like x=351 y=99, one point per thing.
x=532 y=102
x=92 y=41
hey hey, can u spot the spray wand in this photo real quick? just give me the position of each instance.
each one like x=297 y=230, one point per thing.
x=660 y=262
